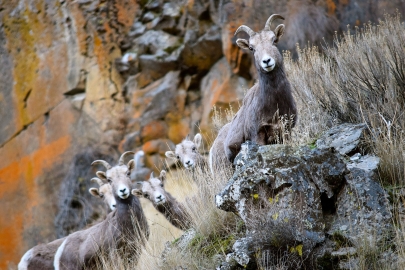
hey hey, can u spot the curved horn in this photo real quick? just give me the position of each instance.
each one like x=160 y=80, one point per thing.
x=247 y=29
x=97 y=180
x=102 y=162
x=121 y=160
x=271 y=19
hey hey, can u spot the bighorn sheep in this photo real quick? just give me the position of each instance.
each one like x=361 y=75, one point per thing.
x=104 y=192
x=163 y=201
x=217 y=159
x=140 y=172
x=80 y=249
x=187 y=153
x=41 y=256
x=258 y=118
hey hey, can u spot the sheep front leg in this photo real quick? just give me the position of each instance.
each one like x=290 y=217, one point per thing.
x=262 y=135
x=217 y=157
x=233 y=142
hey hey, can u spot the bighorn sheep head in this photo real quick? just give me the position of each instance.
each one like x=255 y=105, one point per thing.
x=153 y=189
x=118 y=176
x=104 y=192
x=186 y=152
x=262 y=44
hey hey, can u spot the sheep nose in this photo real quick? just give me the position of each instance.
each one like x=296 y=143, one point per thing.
x=188 y=162
x=267 y=61
x=159 y=197
x=123 y=190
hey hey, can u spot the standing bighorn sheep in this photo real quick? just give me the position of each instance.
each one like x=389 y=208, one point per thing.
x=187 y=153
x=258 y=118
x=140 y=172
x=41 y=256
x=80 y=249
x=163 y=201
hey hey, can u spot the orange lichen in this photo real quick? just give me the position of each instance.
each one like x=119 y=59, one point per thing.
x=19 y=177
x=31 y=166
x=154 y=130
x=331 y=7
x=178 y=131
x=10 y=237
x=125 y=11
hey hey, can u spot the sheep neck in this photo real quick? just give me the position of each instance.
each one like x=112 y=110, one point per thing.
x=129 y=210
x=271 y=82
x=173 y=211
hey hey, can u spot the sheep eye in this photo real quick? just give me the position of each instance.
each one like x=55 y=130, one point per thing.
x=101 y=195
x=178 y=157
x=194 y=148
x=161 y=185
x=128 y=173
x=251 y=48
x=109 y=181
x=146 y=195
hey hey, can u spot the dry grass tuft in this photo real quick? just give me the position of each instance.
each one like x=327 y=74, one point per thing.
x=360 y=79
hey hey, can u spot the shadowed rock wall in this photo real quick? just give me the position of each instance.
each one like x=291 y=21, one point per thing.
x=117 y=75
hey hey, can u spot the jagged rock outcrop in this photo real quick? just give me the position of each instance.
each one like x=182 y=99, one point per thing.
x=299 y=199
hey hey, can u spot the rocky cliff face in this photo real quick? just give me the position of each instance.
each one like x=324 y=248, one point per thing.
x=116 y=75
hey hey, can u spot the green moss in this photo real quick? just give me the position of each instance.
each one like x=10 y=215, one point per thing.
x=218 y=245
x=240 y=226
x=195 y=242
x=340 y=240
x=312 y=145
x=212 y=245
x=175 y=241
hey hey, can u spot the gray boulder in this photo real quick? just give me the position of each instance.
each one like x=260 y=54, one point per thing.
x=344 y=138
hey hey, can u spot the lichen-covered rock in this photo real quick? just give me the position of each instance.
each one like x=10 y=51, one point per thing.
x=344 y=138
x=363 y=208
x=243 y=250
x=310 y=196
x=180 y=243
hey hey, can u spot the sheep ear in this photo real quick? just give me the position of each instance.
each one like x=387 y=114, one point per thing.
x=197 y=140
x=243 y=43
x=94 y=192
x=131 y=165
x=170 y=154
x=162 y=175
x=136 y=192
x=279 y=31
x=101 y=175
x=151 y=175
